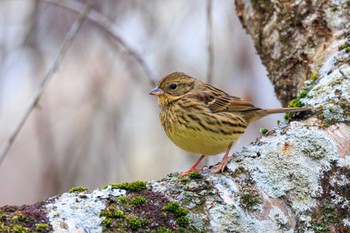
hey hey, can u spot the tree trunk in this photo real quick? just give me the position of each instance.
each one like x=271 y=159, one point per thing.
x=295 y=178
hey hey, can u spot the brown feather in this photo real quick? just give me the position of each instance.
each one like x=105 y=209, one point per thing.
x=223 y=102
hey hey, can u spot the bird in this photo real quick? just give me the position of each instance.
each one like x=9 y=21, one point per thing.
x=202 y=119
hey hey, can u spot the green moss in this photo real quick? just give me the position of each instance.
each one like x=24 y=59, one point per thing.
x=163 y=230
x=175 y=208
x=288 y=116
x=172 y=206
x=195 y=175
x=20 y=218
x=303 y=94
x=3 y=217
x=135 y=223
x=77 y=189
x=138 y=201
x=250 y=200
x=123 y=200
x=118 y=214
x=107 y=222
x=264 y=130
x=112 y=212
x=133 y=186
x=183 y=221
x=180 y=213
x=108 y=212
x=314 y=76
x=296 y=103
x=184 y=179
x=19 y=229
x=104 y=213
x=42 y=227
x=23 y=218
x=144 y=222
x=344 y=46
x=334 y=8
x=317 y=89
x=4 y=228
x=137 y=186
x=138 y=211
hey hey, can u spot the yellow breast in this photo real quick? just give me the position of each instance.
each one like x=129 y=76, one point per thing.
x=201 y=132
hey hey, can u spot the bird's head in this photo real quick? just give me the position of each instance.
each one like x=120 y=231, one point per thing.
x=174 y=86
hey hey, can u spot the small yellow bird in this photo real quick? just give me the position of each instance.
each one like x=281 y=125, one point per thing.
x=202 y=119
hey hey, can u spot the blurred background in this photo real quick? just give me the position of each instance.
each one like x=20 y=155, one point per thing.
x=95 y=123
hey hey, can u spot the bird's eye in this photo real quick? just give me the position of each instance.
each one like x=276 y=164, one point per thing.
x=173 y=86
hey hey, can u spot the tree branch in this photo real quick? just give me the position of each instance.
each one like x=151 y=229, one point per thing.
x=210 y=49
x=64 y=49
x=113 y=31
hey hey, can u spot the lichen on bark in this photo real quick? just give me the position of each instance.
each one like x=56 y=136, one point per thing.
x=292 y=37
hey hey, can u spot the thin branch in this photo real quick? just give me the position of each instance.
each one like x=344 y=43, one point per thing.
x=64 y=49
x=113 y=31
x=210 y=42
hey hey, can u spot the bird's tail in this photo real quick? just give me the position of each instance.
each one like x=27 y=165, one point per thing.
x=260 y=113
x=265 y=112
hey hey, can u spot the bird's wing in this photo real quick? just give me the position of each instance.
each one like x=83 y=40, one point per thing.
x=222 y=102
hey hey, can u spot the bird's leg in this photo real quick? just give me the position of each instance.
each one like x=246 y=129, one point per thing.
x=224 y=161
x=194 y=167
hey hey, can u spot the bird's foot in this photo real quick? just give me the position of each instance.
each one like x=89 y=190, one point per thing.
x=221 y=167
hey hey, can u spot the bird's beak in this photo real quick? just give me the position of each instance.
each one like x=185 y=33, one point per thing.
x=156 y=91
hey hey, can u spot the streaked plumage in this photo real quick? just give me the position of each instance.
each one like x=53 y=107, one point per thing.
x=202 y=119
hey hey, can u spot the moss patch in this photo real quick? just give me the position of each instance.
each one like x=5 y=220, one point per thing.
x=345 y=46
x=175 y=208
x=264 y=130
x=26 y=218
x=77 y=189
x=112 y=212
x=296 y=103
x=195 y=175
x=250 y=199
x=42 y=227
x=135 y=223
x=133 y=186
x=138 y=201
x=184 y=180
x=314 y=76
x=123 y=200
x=144 y=211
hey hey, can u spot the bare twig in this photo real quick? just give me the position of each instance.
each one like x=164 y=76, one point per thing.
x=210 y=42
x=65 y=47
x=112 y=30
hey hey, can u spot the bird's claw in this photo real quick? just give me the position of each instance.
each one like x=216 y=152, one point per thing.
x=221 y=167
